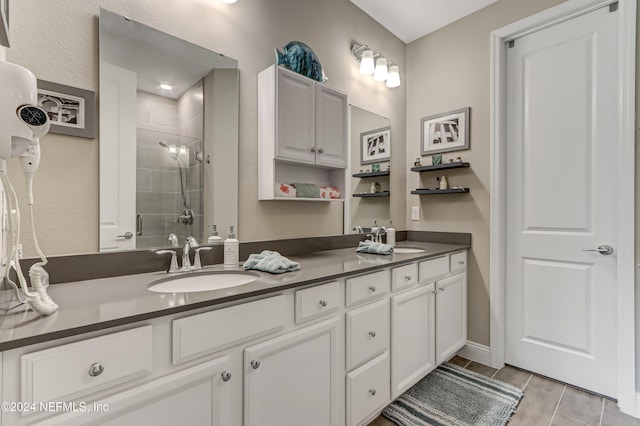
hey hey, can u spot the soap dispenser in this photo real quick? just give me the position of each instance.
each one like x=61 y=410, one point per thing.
x=214 y=238
x=231 y=250
x=391 y=234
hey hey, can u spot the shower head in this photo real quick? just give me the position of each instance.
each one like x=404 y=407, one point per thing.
x=173 y=151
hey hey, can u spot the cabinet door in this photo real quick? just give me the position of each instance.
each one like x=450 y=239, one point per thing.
x=292 y=380
x=198 y=396
x=451 y=316
x=412 y=337
x=331 y=127
x=295 y=103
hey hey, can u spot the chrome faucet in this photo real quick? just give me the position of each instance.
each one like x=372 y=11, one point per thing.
x=186 y=263
x=173 y=239
x=358 y=229
x=379 y=233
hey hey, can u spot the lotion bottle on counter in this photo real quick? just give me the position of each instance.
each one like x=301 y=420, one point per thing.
x=214 y=238
x=231 y=250
x=391 y=234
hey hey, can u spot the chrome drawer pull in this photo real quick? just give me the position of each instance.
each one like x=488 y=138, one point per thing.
x=96 y=369
x=255 y=364
x=461 y=262
x=408 y=277
x=372 y=289
x=226 y=376
x=323 y=303
x=372 y=333
x=372 y=392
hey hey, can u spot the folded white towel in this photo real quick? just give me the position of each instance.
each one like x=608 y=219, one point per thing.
x=285 y=190
x=329 y=192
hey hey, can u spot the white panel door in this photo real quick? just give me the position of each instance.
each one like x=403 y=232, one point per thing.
x=293 y=380
x=562 y=138
x=117 y=158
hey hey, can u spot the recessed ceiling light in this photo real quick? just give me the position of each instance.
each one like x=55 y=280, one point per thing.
x=229 y=1
x=165 y=86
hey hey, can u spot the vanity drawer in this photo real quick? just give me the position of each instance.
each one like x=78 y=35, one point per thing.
x=459 y=261
x=434 y=268
x=404 y=276
x=367 y=287
x=367 y=332
x=368 y=389
x=76 y=369
x=317 y=301
x=209 y=332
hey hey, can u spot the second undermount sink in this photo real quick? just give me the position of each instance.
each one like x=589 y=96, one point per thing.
x=407 y=250
x=205 y=281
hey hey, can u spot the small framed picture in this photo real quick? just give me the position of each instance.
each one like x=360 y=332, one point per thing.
x=445 y=132
x=72 y=111
x=375 y=146
x=4 y=23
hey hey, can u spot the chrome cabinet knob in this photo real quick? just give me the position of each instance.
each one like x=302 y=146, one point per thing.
x=461 y=262
x=323 y=303
x=372 y=334
x=442 y=289
x=408 y=277
x=604 y=250
x=126 y=236
x=226 y=376
x=96 y=369
x=372 y=392
x=313 y=149
x=321 y=150
x=255 y=364
x=372 y=289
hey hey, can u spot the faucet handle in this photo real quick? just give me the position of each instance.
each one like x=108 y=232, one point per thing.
x=173 y=267
x=196 y=258
x=193 y=242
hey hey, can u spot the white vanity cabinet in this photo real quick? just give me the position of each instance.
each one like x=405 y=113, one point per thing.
x=302 y=132
x=292 y=380
x=451 y=316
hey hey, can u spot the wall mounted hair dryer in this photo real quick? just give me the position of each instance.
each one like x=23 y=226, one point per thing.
x=22 y=123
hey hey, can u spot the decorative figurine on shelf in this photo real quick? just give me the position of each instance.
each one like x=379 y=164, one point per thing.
x=444 y=183
x=375 y=187
x=436 y=159
x=375 y=167
x=450 y=160
x=388 y=167
x=417 y=163
x=300 y=58
x=459 y=160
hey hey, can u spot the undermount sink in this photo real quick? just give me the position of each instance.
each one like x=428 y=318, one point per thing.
x=407 y=250
x=206 y=281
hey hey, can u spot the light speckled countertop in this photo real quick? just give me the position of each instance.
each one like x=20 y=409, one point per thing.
x=98 y=304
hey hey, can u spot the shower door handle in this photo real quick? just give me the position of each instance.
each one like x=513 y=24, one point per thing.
x=126 y=236
x=139 y=225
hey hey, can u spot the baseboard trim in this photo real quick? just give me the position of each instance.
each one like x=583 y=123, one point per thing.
x=476 y=352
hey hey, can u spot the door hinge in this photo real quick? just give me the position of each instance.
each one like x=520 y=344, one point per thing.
x=511 y=43
x=613 y=7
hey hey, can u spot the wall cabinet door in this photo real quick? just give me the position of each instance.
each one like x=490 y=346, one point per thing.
x=296 y=128
x=292 y=380
x=451 y=316
x=331 y=127
x=412 y=337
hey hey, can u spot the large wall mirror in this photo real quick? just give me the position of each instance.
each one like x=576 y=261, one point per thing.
x=371 y=143
x=168 y=137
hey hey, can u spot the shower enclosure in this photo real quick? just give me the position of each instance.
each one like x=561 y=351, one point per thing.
x=169 y=168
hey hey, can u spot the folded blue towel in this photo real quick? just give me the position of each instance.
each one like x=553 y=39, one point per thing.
x=270 y=261
x=374 y=248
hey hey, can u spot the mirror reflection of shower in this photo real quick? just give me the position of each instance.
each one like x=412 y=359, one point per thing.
x=179 y=155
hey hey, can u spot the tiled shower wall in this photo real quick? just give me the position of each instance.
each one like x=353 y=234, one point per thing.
x=158 y=196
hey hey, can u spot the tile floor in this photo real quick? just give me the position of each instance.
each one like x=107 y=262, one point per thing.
x=547 y=402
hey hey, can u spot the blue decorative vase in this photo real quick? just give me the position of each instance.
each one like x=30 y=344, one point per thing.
x=299 y=57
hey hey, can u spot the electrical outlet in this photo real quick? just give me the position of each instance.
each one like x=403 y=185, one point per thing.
x=415 y=213
x=19 y=251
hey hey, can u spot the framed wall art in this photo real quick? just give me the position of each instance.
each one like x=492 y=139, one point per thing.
x=72 y=111
x=375 y=146
x=445 y=132
x=4 y=23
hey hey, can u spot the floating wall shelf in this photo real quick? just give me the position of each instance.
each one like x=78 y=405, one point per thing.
x=440 y=191
x=456 y=165
x=373 y=194
x=371 y=174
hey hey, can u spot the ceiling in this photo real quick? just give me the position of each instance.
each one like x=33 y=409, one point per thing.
x=411 y=19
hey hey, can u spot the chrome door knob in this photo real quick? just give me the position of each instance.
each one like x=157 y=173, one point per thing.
x=604 y=250
x=126 y=236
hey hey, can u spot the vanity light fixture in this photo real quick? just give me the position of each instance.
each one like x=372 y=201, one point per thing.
x=229 y=1
x=393 y=80
x=376 y=64
x=382 y=72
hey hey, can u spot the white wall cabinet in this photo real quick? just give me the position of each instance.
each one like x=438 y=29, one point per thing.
x=302 y=132
x=292 y=380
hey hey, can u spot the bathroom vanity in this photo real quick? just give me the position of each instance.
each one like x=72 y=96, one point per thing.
x=331 y=344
